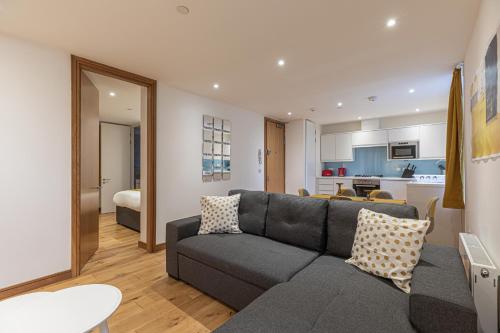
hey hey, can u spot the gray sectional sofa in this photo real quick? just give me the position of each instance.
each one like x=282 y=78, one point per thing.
x=286 y=271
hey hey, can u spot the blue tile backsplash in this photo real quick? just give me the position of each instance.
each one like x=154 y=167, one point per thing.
x=373 y=161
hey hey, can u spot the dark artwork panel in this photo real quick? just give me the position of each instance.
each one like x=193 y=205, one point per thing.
x=491 y=78
x=137 y=156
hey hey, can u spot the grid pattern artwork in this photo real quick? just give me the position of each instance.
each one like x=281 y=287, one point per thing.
x=216 y=149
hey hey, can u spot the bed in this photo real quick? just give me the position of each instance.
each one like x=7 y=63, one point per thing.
x=128 y=209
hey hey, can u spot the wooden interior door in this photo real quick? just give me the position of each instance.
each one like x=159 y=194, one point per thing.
x=89 y=168
x=275 y=156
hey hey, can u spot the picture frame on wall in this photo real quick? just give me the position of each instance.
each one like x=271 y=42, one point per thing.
x=484 y=104
x=216 y=149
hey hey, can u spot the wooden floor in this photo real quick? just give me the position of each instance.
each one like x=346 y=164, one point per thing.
x=152 y=302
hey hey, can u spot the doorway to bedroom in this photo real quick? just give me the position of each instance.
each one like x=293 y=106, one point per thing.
x=113 y=161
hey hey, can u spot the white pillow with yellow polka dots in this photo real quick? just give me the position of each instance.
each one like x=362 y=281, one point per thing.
x=387 y=246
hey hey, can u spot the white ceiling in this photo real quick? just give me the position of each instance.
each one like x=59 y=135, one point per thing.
x=335 y=50
x=123 y=108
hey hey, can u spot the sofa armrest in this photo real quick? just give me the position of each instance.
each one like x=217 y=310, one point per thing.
x=176 y=231
x=440 y=298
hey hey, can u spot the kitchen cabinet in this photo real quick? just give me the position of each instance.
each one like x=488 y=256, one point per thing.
x=369 y=138
x=327 y=148
x=396 y=187
x=325 y=185
x=343 y=147
x=328 y=185
x=336 y=147
x=433 y=141
x=410 y=133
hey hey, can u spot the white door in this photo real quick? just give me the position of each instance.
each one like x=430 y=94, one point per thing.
x=310 y=184
x=115 y=163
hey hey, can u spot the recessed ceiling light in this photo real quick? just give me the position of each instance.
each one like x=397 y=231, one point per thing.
x=417 y=109
x=411 y=91
x=359 y=118
x=216 y=86
x=339 y=104
x=281 y=62
x=289 y=113
x=182 y=10
x=391 y=22
x=112 y=94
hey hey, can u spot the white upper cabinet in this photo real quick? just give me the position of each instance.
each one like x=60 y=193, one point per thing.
x=343 y=147
x=336 y=147
x=433 y=141
x=328 y=148
x=369 y=138
x=411 y=133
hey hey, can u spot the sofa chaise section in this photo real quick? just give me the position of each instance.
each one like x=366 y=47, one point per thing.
x=237 y=268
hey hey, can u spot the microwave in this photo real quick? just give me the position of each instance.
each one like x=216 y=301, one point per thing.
x=403 y=150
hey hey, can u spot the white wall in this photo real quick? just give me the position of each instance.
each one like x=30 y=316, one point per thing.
x=179 y=141
x=35 y=174
x=35 y=171
x=295 y=155
x=482 y=178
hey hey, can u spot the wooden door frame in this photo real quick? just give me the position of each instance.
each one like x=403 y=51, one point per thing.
x=79 y=64
x=270 y=120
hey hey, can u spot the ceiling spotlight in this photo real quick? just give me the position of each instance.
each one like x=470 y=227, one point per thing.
x=182 y=10
x=417 y=109
x=289 y=113
x=281 y=62
x=411 y=91
x=339 y=104
x=216 y=86
x=359 y=118
x=391 y=22
x=112 y=94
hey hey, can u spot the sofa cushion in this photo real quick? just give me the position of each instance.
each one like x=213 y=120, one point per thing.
x=327 y=296
x=387 y=246
x=254 y=259
x=219 y=215
x=343 y=219
x=299 y=221
x=252 y=211
x=440 y=299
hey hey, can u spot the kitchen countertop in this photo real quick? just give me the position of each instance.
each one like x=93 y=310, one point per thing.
x=381 y=178
x=426 y=184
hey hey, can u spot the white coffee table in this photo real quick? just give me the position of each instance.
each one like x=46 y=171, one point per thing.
x=73 y=310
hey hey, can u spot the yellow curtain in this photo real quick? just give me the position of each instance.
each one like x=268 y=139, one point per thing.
x=453 y=192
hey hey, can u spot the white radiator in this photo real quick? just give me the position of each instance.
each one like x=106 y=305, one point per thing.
x=483 y=281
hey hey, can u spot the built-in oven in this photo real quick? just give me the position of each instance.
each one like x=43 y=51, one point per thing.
x=363 y=186
x=407 y=150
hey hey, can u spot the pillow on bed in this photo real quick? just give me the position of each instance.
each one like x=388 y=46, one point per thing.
x=219 y=215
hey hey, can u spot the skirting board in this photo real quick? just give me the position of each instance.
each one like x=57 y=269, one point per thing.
x=158 y=247
x=34 y=284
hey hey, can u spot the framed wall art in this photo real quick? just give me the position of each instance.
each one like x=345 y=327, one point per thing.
x=216 y=149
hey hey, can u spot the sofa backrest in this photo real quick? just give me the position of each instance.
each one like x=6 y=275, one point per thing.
x=343 y=221
x=252 y=211
x=299 y=221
